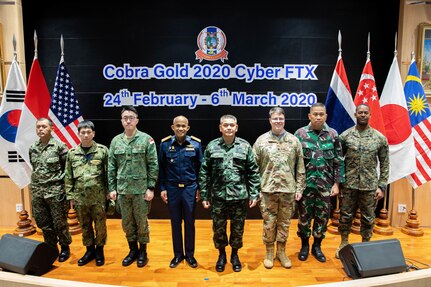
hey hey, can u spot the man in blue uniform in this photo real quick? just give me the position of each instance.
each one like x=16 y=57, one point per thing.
x=180 y=158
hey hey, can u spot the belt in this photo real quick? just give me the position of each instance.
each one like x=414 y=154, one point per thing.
x=181 y=184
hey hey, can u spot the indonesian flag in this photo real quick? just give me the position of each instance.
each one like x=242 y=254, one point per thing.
x=397 y=125
x=36 y=105
x=367 y=94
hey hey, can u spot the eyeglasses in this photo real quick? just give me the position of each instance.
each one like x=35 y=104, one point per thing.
x=277 y=120
x=130 y=118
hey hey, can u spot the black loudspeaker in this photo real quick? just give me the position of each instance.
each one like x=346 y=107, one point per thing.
x=373 y=258
x=26 y=256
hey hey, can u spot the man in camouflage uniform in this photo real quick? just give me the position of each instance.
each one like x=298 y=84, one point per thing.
x=365 y=149
x=323 y=159
x=48 y=157
x=86 y=185
x=180 y=159
x=229 y=179
x=132 y=174
x=281 y=166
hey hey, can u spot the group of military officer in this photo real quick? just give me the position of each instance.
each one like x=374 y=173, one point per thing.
x=278 y=172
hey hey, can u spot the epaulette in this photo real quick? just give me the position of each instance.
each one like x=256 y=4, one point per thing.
x=166 y=138
x=195 y=138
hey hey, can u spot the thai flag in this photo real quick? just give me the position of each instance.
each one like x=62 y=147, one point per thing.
x=339 y=102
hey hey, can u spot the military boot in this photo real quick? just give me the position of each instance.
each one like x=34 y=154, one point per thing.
x=305 y=249
x=64 y=253
x=268 y=262
x=344 y=242
x=142 y=256
x=88 y=256
x=281 y=255
x=100 y=256
x=317 y=251
x=234 y=259
x=221 y=261
x=133 y=254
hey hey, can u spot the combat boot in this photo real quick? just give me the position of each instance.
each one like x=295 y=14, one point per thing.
x=281 y=255
x=317 y=251
x=133 y=254
x=344 y=242
x=234 y=259
x=64 y=253
x=88 y=256
x=305 y=249
x=100 y=256
x=268 y=262
x=142 y=257
x=221 y=261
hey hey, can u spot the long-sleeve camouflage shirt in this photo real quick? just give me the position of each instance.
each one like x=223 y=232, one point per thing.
x=86 y=178
x=48 y=161
x=229 y=172
x=323 y=157
x=281 y=163
x=363 y=150
x=132 y=164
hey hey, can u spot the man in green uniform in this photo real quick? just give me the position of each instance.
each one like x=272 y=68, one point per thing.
x=281 y=166
x=86 y=184
x=132 y=174
x=229 y=180
x=323 y=159
x=366 y=150
x=48 y=158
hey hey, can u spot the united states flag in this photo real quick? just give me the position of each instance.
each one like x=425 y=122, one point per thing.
x=64 y=110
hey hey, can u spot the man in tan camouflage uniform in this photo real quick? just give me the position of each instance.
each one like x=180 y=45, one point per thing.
x=86 y=185
x=365 y=149
x=48 y=158
x=229 y=181
x=132 y=174
x=323 y=159
x=281 y=166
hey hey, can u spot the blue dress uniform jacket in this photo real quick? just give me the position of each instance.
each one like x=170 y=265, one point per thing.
x=178 y=174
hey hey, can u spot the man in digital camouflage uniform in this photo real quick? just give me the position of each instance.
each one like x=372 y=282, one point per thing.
x=324 y=165
x=365 y=150
x=281 y=166
x=86 y=185
x=229 y=181
x=132 y=174
x=48 y=158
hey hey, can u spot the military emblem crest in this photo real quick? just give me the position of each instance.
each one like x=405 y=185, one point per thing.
x=211 y=42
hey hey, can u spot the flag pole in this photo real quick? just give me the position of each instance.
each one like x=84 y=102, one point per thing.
x=24 y=225
x=412 y=222
x=335 y=219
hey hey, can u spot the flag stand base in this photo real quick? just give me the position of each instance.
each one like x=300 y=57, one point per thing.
x=412 y=226
x=333 y=226
x=25 y=228
x=383 y=226
x=73 y=222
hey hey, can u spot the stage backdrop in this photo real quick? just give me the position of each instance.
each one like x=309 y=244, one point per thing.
x=206 y=59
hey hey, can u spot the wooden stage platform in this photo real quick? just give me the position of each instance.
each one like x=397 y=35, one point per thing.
x=417 y=251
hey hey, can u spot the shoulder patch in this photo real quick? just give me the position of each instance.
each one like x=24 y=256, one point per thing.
x=195 y=138
x=166 y=138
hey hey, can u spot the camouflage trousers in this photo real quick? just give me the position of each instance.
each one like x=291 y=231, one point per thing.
x=87 y=215
x=313 y=205
x=236 y=211
x=51 y=217
x=350 y=201
x=277 y=210
x=134 y=217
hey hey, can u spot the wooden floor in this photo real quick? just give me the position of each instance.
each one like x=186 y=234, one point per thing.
x=416 y=250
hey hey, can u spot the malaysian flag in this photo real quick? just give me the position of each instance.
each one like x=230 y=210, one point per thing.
x=64 y=110
x=420 y=120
